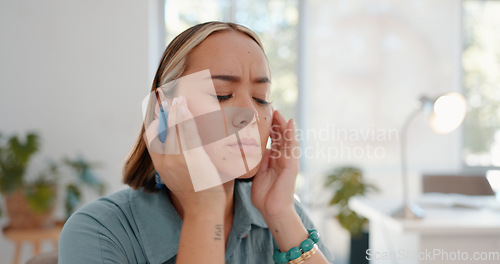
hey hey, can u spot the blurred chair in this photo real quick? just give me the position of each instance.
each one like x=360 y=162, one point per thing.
x=461 y=184
x=44 y=258
x=34 y=236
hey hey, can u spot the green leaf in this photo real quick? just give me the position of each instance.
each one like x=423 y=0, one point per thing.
x=346 y=182
x=73 y=197
x=40 y=197
x=351 y=221
x=14 y=158
x=86 y=175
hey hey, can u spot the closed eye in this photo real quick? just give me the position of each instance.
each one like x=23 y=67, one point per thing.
x=223 y=98
x=260 y=101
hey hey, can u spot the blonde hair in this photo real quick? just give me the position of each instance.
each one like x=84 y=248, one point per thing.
x=138 y=170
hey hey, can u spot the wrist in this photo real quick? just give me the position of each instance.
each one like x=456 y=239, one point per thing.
x=283 y=215
x=204 y=212
x=287 y=229
x=279 y=213
x=194 y=209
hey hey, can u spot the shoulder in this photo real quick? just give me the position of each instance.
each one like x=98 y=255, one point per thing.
x=95 y=231
x=101 y=209
x=129 y=226
x=105 y=211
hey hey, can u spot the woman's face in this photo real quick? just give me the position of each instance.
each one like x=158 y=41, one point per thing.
x=240 y=74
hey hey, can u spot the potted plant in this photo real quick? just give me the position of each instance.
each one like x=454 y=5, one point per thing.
x=30 y=204
x=346 y=182
x=84 y=177
x=15 y=155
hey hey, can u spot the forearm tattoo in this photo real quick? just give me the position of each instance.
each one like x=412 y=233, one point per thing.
x=218 y=232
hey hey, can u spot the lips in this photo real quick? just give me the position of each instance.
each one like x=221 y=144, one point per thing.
x=245 y=141
x=249 y=146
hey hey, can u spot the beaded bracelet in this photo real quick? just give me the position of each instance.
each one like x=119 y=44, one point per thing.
x=304 y=256
x=298 y=255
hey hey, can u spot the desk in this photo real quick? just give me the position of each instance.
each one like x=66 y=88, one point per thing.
x=36 y=236
x=450 y=232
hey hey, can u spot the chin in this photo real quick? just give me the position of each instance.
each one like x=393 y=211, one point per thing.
x=250 y=173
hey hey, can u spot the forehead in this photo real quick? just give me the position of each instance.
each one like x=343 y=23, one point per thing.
x=228 y=51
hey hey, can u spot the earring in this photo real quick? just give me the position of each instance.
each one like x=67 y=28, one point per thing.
x=159 y=183
x=162 y=126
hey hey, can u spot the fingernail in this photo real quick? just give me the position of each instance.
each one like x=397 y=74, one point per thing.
x=182 y=105
x=182 y=108
x=164 y=105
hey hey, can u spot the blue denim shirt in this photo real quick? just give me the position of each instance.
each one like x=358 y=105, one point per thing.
x=137 y=227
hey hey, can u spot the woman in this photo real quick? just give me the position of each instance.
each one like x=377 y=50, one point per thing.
x=192 y=219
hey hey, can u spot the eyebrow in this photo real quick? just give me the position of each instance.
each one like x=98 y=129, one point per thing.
x=263 y=80
x=232 y=78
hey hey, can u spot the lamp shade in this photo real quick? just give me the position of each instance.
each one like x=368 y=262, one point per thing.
x=448 y=112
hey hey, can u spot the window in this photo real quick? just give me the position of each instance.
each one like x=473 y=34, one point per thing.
x=481 y=79
x=276 y=23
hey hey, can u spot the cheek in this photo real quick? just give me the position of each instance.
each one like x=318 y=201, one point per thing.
x=264 y=123
x=200 y=104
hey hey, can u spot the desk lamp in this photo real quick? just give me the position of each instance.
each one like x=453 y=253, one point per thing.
x=445 y=114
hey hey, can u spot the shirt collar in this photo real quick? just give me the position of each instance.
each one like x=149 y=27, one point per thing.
x=159 y=223
x=244 y=206
x=245 y=215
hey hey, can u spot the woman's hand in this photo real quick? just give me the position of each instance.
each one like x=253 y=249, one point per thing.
x=273 y=187
x=173 y=168
x=183 y=165
x=274 y=184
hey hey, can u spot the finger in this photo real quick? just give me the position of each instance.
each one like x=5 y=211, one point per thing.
x=275 y=136
x=291 y=147
x=264 y=165
x=170 y=145
x=275 y=145
x=280 y=120
x=203 y=173
x=172 y=119
x=183 y=109
x=293 y=137
x=277 y=125
x=281 y=128
x=283 y=125
x=189 y=134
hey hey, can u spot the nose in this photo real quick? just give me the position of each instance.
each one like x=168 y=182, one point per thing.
x=242 y=111
x=237 y=118
x=242 y=117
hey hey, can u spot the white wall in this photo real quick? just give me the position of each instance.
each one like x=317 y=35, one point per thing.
x=76 y=72
x=367 y=62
